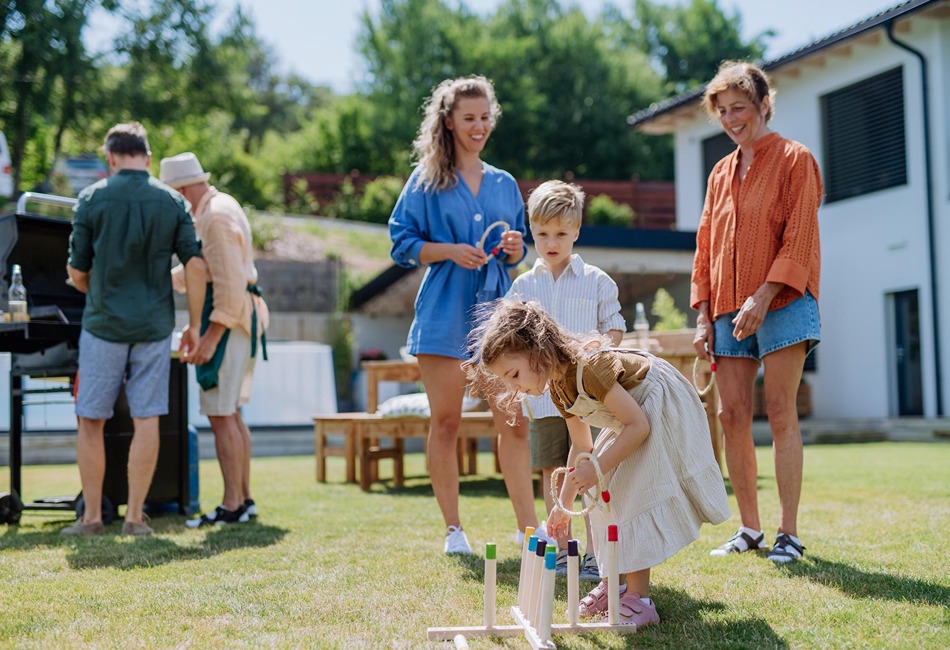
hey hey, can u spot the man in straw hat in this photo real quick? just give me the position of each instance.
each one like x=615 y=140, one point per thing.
x=124 y=232
x=232 y=323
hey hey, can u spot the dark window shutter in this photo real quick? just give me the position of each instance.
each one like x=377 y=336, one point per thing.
x=865 y=148
x=715 y=149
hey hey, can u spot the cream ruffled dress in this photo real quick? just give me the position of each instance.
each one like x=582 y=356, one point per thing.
x=671 y=484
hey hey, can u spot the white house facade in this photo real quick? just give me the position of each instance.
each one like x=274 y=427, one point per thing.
x=872 y=103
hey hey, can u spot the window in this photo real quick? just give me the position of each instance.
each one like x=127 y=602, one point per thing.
x=865 y=148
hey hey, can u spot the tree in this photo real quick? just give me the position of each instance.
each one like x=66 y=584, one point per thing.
x=689 y=41
x=42 y=52
x=561 y=111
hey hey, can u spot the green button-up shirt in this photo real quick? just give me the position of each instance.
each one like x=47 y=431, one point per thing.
x=125 y=229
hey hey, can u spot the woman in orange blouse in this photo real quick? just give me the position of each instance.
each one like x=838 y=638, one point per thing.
x=755 y=288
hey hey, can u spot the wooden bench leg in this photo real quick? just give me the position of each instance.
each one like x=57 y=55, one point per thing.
x=363 y=452
x=399 y=478
x=349 y=447
x=472 y=456
x=319 y=444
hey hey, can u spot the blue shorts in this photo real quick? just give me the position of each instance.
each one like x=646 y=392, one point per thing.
x=104 y=366
x=795 y=322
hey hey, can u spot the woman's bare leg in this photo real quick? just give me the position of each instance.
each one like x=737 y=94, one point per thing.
x=736 y=380
x=444 y=383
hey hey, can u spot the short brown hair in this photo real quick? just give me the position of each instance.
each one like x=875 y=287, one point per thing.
x=556 y=201
x=747 y=78
x=128 y=139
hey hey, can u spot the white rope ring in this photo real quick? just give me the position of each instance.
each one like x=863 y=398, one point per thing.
x=481 y=242
x=602 y=494
x=712 y=377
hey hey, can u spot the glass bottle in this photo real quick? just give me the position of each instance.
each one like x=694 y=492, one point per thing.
x=642 y=327
x=17 y=297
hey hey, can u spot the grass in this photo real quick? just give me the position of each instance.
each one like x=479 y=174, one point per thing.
x=329 y=566
x=371 y=245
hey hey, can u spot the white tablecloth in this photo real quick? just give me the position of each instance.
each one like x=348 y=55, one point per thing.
x=295 y=383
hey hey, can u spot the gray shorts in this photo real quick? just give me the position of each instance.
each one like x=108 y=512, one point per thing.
x=105 y=366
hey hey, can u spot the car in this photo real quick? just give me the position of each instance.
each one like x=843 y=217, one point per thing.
x=6 y=169
x=81 y=171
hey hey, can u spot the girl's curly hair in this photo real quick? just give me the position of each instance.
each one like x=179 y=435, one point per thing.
x=506 y=327
x=434 y=148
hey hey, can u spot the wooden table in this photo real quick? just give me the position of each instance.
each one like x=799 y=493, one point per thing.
x=377 y=371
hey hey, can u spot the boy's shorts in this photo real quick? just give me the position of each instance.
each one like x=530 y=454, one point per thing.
x=795 y=322
x=550 y=441
x=105 y=366
x=234 y=378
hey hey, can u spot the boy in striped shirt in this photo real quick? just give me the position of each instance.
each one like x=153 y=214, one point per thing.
x=581 y=298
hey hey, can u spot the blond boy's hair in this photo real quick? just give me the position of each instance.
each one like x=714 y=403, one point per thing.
x=556 y=201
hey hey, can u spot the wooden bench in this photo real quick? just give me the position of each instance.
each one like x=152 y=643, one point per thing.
x=363 y=433
x=362 y=442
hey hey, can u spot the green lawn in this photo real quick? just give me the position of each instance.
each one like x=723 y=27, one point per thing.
x=331 y=566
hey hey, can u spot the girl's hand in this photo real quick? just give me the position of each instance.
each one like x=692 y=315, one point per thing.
x=467 y=256
x=512 y=243
x=705 y=336
x=558 y=525
x=583 y=477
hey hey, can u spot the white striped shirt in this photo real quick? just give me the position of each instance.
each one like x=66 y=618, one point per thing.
x=584 y=299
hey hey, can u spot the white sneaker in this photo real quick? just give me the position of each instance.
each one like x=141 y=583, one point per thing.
x=540 y=532
x=456 y=542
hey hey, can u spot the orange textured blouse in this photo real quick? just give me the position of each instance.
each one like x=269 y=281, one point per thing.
x=764 y=229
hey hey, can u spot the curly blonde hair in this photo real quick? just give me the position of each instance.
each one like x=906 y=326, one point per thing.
x=434 y=148
x=510 y=327
x=747 y=78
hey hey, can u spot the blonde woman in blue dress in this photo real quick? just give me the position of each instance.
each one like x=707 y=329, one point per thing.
x=452 y=202
x=654 y=449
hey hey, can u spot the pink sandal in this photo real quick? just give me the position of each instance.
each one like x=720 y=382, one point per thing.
x=634 y=611
x=595 y=602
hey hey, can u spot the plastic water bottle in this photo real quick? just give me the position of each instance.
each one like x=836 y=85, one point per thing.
x=17 y=297
x=642 y=327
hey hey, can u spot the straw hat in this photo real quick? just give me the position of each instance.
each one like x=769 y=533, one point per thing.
x=181 y=170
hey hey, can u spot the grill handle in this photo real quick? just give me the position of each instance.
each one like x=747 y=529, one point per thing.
x=47 y=199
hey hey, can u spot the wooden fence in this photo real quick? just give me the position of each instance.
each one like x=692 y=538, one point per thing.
x=653 y=202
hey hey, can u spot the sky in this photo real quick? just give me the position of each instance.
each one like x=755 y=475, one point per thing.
x=316 y=38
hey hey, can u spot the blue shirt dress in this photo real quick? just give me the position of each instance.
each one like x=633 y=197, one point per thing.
x=444 y=304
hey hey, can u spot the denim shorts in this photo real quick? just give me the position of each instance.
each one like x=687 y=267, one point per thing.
x=795 y=322
x=105 y=366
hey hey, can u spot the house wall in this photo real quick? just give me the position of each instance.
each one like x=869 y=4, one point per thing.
x=873 y=244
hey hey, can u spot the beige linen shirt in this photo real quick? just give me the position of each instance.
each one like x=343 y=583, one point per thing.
x=226 y=245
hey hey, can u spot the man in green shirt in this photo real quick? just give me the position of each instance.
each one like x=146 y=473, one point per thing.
x=125 y=230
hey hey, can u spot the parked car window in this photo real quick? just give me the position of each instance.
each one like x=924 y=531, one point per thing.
x=81 y=171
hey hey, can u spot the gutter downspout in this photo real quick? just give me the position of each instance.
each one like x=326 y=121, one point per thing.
x=931 y=226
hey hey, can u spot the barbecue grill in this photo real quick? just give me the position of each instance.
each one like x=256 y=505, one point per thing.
x=48 y=347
